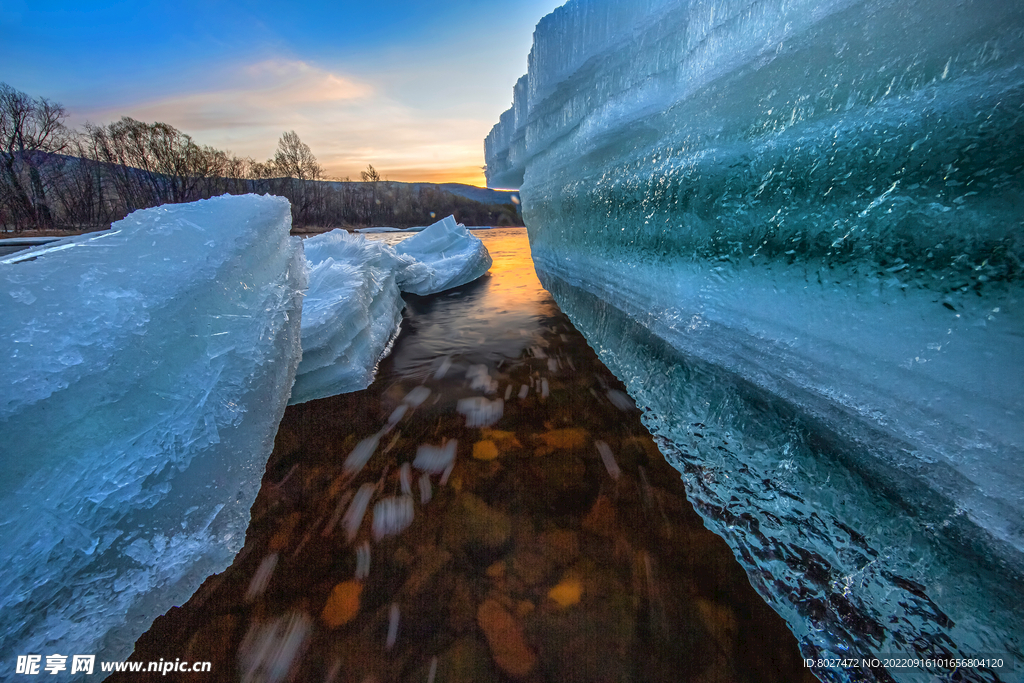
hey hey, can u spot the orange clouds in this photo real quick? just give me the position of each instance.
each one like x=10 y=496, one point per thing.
x=280 y=82
x=348 y=120
x=248 y=95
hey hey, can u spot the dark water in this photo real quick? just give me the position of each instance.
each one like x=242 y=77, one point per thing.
x=558 y=546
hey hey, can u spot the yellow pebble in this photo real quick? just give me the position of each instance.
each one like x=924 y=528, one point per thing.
x=485 y=450
x=506 y=440
x=568 y=439
x=343 y=604
x=567 y=592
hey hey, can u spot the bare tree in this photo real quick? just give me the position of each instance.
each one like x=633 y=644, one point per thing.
x=30 y=131
x=295 y=162
x=370 y=175
x=294 y=159
x=154 y=163
x=50 y=176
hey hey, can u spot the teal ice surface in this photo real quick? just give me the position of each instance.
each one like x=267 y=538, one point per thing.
x=794 y=231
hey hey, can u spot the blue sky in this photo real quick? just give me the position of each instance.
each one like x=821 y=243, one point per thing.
x=411 y=87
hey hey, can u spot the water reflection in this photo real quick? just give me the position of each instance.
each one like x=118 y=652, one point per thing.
x=490 y=509
x=484 y=321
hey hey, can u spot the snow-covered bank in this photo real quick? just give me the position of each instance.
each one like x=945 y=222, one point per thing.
x=147 y=370
x=814 y=208
x=353 y=308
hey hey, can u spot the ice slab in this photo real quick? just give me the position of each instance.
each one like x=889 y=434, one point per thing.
x=446 y=256
x=793 y=230
x=351 y=316
x=353 y=309
x=147 y=370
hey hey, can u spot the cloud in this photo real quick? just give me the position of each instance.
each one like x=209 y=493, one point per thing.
x=293 y=82
x=348 y=121
x=244 y=95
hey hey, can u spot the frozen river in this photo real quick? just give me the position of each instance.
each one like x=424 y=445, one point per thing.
x=558 y=546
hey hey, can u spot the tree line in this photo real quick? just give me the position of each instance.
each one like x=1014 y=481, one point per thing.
x=55 y=178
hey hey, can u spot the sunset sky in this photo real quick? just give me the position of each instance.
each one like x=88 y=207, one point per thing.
x=410 y=87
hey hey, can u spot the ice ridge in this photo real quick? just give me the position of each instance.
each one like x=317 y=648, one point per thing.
x=352 y=313
x=445 y=255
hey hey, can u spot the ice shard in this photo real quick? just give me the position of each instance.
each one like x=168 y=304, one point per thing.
x=352 y=313
x=353 y=309
x=794 y=230
x=147 y=369
x=446 y=255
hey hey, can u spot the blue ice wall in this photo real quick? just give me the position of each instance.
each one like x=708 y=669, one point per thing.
x=794 y=230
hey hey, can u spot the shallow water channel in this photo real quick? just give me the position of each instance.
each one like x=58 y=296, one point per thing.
x=557 y=544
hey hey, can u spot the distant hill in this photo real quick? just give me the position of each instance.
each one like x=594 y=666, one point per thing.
x=482 y=194
x=477 y=194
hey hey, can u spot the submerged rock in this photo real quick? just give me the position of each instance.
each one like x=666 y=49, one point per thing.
x=505 y=639
x=342 y=604
x=567 y=592
x=485 y=450
x=475 y=527
x=567 y=439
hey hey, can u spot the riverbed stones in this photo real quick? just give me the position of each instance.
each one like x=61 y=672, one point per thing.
x=342 y=604
x=566 y=439
x=566 y=592
x=498 y=548
x=505 y=639
x=212 y=642
x=561 y=482
x=485 y=450
x=282 y=538
x=505 y=441
x=602 y=518
x=476 y=528
x=561 y=546
x=429 y=561
x=466 y=661
x=531 y=567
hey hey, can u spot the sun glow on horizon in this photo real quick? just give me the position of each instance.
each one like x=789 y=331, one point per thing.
x=347 y=120
x=434 y=174
x=412 y=90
